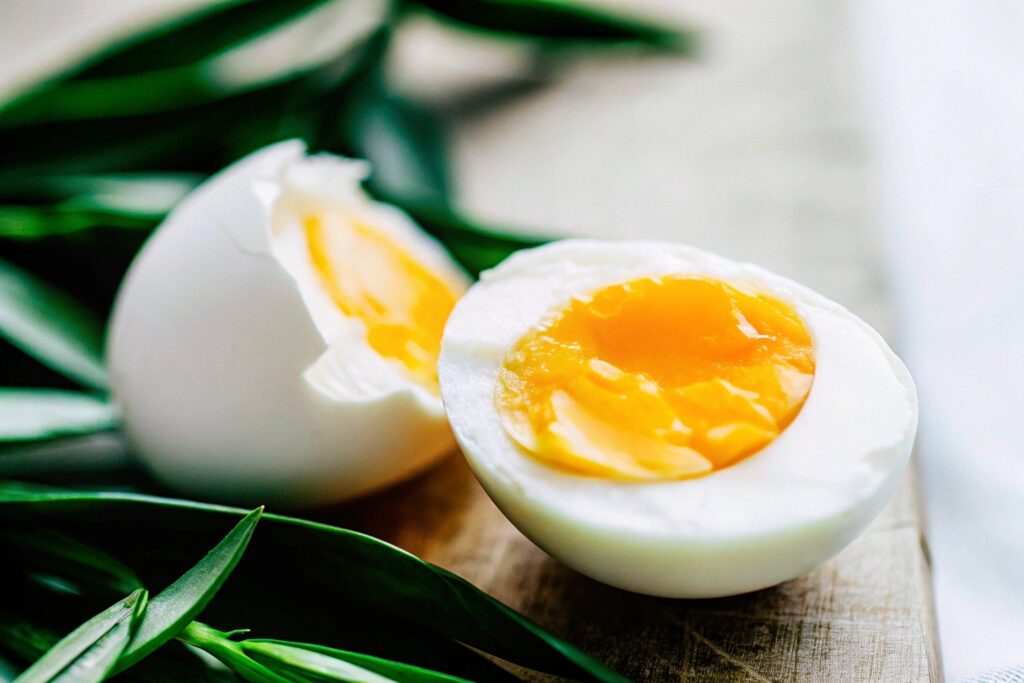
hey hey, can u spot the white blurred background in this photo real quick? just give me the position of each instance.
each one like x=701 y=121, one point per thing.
x=896 y=124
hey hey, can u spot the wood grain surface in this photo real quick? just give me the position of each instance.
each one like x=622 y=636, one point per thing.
x=864 y=616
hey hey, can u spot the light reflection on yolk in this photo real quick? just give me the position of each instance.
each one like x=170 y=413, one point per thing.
x=402 y=303
x=656 y=378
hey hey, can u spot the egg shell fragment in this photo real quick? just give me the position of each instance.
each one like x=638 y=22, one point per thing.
x=219 y=367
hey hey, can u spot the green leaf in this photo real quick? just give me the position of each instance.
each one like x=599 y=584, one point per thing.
x=403 y=142
x=33 y=414
x=69 y=204
x=293 y=659
x=183 y=600
x=337 y=565
x=89 y=652
x=329 y=662
x=558 y=20
x=44 y=552
x=231 y=654
x=476 y=247
x=31 y=222
x=49 y=325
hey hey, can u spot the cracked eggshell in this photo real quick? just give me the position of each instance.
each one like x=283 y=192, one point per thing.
x=218 y=366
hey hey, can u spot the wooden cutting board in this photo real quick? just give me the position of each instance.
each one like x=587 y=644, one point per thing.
x=864 y=616
x=759 y=150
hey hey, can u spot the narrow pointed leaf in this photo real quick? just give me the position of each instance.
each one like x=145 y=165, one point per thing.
x=317 y=658
x=231 y=655
x=30 y=222
x=558 y=20
x=92 y=570
x=403 y=142
x=89 y=652
x=173 y=608
x=473 y=245
x=34 y=414
x=49 y=325
x=337 y=565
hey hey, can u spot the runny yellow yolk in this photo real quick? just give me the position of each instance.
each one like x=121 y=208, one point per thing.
x=655 y=379
x=402 y=303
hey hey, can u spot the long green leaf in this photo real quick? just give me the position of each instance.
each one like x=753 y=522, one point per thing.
x=339 y=563
x=558 y=20
x=33 y=414
x=183 y=600
x=292 y=659
x=473 y=245
x=88 y=568
x=231 y=654
x=403 y=142
x=89 y=652
x=317 y=658
x=49 y=325
x=68 y=204
x=31 y=222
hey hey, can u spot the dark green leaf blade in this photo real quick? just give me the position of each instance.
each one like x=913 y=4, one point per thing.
x=89 y=652
x=45 y=552
x=383 y=578
x=473 y=245
x=317 y=658
x=36 y=414
x=173 y=608
x=403 y=142
x=559 y=20
x=195 y=35
x=49 y=325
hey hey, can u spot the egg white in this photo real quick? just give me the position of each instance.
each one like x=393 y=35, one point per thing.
x=757 y=523
x=236 y=377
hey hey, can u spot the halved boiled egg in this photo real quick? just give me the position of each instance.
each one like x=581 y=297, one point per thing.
x=276 y=340
x=671 y=422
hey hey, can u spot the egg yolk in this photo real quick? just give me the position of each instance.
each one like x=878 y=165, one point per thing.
x=655 y=379
x=402 y=303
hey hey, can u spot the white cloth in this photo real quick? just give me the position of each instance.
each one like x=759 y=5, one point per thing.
x=946 y=79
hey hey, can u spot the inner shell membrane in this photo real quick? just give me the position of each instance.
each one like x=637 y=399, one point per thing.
x=656 y=379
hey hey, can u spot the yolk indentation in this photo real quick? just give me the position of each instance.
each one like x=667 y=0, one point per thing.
x=402 y=303
x=656 y=378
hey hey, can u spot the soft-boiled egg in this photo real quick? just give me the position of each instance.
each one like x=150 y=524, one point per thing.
x=276 y=340
x=672 y=422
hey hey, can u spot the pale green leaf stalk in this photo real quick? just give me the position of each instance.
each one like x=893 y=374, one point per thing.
x=89 y=652
x=341 y=665
x=230 y=654
x=171 y=610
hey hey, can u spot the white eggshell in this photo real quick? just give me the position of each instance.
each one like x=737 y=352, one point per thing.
x=219 y=368
x=764 y=520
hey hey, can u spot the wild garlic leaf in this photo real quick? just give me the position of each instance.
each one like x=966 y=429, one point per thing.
x=231 y=654
x=34 y=414
x=89 y=652
x=404 y=142
x=49 y=325
x=46 y=553
x=329 y=661
x=473 y=245
x=338 y=566
x=173 y=608
x=561 y=21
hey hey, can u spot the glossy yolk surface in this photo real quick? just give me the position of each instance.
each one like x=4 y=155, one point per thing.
x=402 y=303
x=656 y=378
